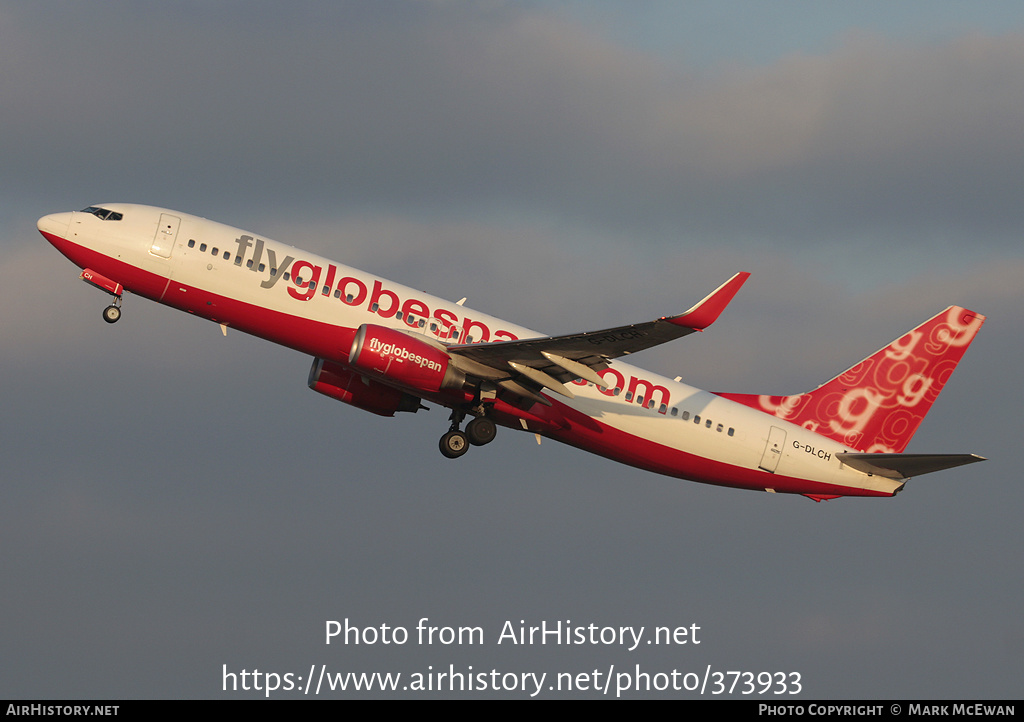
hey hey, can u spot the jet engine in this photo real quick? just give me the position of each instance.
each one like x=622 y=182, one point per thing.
x=332 y=379
x=403 y=359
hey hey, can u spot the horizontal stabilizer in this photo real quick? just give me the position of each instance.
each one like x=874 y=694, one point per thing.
x=903 y=466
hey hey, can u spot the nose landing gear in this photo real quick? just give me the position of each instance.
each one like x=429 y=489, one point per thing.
x=112 y=312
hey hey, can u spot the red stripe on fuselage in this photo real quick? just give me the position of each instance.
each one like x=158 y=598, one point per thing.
x=315 y=338
x=591 y=435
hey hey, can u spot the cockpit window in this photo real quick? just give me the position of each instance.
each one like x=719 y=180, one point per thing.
x=103 y=214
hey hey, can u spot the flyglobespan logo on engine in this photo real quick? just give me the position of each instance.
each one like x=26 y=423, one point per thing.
x=400 y=352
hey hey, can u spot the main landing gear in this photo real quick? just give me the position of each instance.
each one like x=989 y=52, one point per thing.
x=481 y=430
x=454 y=444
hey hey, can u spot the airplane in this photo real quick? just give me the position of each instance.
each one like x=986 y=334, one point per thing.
x=387 y=348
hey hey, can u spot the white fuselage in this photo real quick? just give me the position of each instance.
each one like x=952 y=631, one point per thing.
x=314 y=305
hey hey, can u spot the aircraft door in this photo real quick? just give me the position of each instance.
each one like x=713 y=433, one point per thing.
x=166 y=233
x=773 y=449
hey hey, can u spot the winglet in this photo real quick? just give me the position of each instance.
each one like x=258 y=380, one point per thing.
x=707 y=311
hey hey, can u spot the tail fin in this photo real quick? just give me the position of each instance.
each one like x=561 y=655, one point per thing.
x=877 y=405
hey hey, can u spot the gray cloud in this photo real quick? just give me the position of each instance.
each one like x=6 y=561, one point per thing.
x=506 y=108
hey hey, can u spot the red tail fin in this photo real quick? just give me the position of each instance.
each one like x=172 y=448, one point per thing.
x=877 y=405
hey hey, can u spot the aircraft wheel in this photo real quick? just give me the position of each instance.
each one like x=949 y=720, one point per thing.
x=481 y=430
x=111 y=314
x=454 y=444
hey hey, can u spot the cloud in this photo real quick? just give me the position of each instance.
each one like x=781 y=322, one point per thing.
x=504 y=108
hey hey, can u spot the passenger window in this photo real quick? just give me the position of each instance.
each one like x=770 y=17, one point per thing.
x=719 y=428
x=227 y=255
x=662 y=409
x=287 y=275
x=238 y=261
x=675 y=411
x=731 y=431
x=263 y=267
x=192 y=243
x=629 y=396
x=214 y=250
x=707 y=424
x=696 y=419
x=202 y=247
x=686 y=416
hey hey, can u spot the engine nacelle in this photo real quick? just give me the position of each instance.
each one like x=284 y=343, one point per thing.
x=334 y=380
x=402 y=359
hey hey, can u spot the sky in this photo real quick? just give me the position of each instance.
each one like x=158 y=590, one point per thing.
x=178 y=505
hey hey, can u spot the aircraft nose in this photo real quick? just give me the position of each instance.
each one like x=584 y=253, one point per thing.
x=55 y=224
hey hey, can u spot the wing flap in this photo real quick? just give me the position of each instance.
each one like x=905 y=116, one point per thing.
x=542 y=379
x=575 y=368
x=523 y=392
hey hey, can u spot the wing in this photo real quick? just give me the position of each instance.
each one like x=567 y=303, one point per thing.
x=526 y=366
